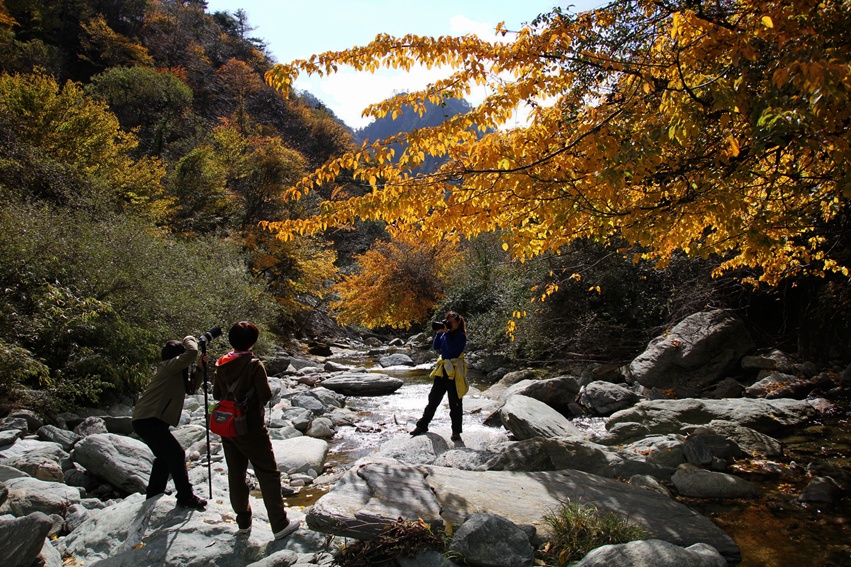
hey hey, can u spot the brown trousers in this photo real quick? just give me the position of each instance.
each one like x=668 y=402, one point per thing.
x=256 y=448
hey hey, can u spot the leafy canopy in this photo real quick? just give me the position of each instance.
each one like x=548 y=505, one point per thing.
x=716 y=128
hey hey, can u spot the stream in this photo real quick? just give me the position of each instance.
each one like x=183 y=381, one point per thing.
x=771 y=531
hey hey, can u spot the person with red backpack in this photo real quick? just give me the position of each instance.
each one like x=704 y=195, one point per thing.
x=242 y=377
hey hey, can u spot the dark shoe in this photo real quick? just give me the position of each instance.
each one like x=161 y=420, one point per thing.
x=456 y=437
x=243 y=522
x=418 y=431
x=192 y=502
x=290 y=528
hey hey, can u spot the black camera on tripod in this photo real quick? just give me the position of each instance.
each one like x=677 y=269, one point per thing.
x=211 y=334
x=439 y=325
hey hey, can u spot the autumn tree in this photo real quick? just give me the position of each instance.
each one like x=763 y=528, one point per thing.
x=398 y=283
x=715 y=128
x=61 y=147
x=156 y=104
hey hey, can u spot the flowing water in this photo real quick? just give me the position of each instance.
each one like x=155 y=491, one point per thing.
x=771 y=531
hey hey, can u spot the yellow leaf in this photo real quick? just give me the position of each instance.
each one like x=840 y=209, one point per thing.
x=766 y=21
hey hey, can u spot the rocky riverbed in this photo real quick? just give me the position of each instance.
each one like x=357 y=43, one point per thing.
x=726 y=458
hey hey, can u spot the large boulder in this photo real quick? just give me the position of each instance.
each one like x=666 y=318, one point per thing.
x=374 y=493
x=526 y=417
x=21 y=539
x=488 y=540
x=28 y=495
x=699 y=351
x=661 y=417
x=136 y=532
x=560 y=453
x=653 y=552
x=362 y=384
x=605 y=398
x=695 y=482
x=558 y=393
x=122 y=461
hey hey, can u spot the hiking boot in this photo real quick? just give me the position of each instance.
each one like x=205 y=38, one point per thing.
x=291 y=527
x=418 y=431
x=456 y=437
x=192 y=502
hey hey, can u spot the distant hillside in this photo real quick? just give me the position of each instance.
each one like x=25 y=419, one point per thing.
x=409 y=120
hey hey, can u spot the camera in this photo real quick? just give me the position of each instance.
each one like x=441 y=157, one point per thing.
x=438 y=325
x=211 y=334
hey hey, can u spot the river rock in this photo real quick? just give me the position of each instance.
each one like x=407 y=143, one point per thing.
x=697 y=352
x=122 y=461
x=9 y=436
x=655 y=552
x=91 y=425
x=465 y=459
x=671 y=416
x=554 y=454
x=306 y=400
x=299 y=417
x=300 y=454
x=750 y=440
x=821 y=489
x=527 y=417
x=489 y=540
x=22 y=539
x=605 y=398
x=558 y=393
x=363 y=384
x=14 y=424
x=188 y=435
x=28 y=495
x=498 y=390
x=63 y=437
x=696 y=482
x=42 y=466
x=418 y=450
x=706 y=448
x=34 y=421
x=321 y=427
x=136 y=532
x=396 y=359
x=769 y=383
x=376 y=492
x=663 y=450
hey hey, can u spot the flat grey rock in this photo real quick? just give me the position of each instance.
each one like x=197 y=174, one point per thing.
x=376 y=492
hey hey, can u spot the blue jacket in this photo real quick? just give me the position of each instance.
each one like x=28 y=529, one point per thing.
x=450 y=344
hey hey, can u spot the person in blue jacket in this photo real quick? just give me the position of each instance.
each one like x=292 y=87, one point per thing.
x=450 y=341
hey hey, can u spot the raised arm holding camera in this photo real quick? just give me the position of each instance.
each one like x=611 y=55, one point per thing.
x=450 y=373
x=159 y=407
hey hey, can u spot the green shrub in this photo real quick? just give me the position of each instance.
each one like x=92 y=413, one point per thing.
x=94 y=300
x=578 y=529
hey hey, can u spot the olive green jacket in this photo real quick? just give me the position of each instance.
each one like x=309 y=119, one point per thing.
x=164 y=395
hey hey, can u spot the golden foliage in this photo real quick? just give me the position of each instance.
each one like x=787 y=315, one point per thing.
x=398 y=283
x=715 y=128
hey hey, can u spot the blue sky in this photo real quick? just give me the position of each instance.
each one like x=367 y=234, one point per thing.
x=296 y=29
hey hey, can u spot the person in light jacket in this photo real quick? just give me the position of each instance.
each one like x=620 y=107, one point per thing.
x=451 y=342
x=241 y=376
x=158 y=408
